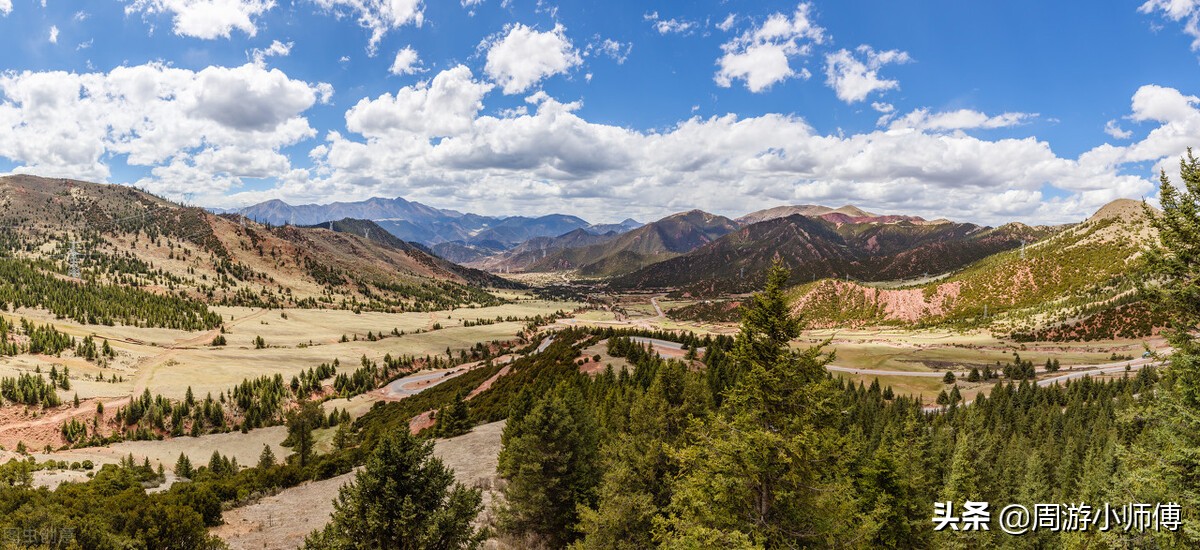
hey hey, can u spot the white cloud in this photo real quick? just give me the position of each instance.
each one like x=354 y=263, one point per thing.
x=80 y=16
x=853 y=79
x=432 y=142
x=378 y=16
x=220 y=123
x=5 y=7
x=85 y=45
x=54 y=34
x=619 y=51
x=670 y=26
x=524 y=56
x=962 y=119
x=761 y=56
x=1161 y=104
x=1178 y=119
x=276 y=49
x=445 y=106
x=206 y=19
x=407 y=62
x=1187 y=11
x=728 y=22
x=1114 y=129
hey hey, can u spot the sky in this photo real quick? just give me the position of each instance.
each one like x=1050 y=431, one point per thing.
x=1026 y=110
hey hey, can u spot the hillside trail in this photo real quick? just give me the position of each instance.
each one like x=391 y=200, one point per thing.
x=46 y=427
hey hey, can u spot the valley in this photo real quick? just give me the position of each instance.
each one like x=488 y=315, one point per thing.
x=238 y=326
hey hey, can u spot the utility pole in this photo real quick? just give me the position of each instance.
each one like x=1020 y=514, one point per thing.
x=1022 y=249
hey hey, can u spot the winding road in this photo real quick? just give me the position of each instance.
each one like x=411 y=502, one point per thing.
x=1078 y=371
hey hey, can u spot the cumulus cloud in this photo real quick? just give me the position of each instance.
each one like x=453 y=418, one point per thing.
x=962 y=119
x=206 y=19
x=853 y=78
x=1178 y=120
x=378 y=16
x=1186 y=11
x=5 y=7
x=445 y=106
x=54 y=34
x=433 y=142
x=524 y=56
x=407 y=62
x=276 y=49
x=761 y=56
x=1114 y=129
x=218 y=124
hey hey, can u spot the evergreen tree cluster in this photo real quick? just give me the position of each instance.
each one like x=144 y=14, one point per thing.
x=782 y=455
x=29 y=389
x=26 y=285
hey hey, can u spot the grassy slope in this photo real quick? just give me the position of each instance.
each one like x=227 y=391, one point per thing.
x=1074 y=274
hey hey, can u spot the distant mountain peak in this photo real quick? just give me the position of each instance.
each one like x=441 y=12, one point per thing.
x=854 y=211
x=811 y=210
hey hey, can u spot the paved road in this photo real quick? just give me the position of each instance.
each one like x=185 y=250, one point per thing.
x=1078 y=371
x=396 y=387
x=662 y=343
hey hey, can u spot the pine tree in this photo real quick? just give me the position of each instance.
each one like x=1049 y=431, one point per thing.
x=300 y=424
x=402 y=499
x=752 y=473
x=1162 y=463
x=549 y=460
x=452 y=419
x=267 y=458
x=183 y=467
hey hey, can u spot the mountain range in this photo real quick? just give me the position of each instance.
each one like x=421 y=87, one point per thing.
x=125 y=236
x=416 y=222
x=849 y=266
x=830 y=245
x=619 y=254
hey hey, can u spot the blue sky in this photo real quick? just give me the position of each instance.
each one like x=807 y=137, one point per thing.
x=1032 y=111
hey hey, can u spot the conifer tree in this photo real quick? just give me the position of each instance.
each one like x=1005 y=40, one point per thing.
x=266 y=459
x=402 y=499
x=452 y=419
x=549 y=460
x=750 y=474
x=183 y=467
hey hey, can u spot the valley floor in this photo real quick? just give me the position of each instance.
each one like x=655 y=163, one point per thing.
x=169 y=362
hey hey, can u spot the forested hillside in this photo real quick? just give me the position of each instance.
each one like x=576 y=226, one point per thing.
x=119 y=236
